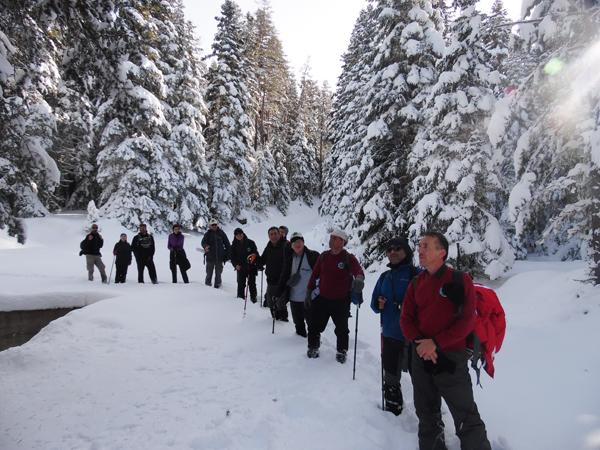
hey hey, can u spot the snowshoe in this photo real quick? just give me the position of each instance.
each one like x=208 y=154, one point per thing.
x=393 y=399
x=312 y=353
x=340 y=357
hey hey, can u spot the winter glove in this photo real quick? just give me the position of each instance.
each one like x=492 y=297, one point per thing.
x=252 y=258
x=358 y=284
x=81 y=253
x=454 y=292
x=356 y=298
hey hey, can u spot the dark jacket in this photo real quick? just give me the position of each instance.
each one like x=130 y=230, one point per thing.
x=272 y=260
x=143 y=246
x=93 y=246
x=427 y=314
x=219 y=245
x=240 y=250
x=286 y=272
x=392 y=285
x=122 y=251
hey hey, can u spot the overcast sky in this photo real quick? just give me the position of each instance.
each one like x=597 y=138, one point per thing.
x=310 y=30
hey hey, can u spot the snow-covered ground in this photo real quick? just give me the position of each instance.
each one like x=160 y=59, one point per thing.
x=178 y=366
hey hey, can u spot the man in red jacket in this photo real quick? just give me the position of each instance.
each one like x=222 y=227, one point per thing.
x=339 y=273
x=437 y=318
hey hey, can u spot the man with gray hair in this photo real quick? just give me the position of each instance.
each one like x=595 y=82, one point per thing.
x=339 y=275
x=216 y=250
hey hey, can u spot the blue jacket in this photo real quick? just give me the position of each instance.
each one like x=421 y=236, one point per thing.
x=392 y=285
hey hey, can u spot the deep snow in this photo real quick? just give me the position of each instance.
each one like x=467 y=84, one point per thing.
x=177 y=366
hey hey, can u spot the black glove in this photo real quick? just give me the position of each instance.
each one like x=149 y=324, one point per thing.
x=454 y=292
x=358 y=284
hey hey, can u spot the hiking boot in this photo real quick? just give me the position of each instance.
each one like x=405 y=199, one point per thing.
x=208 y=283
x=154 y=282
x=265 y=303
x=253 y=299
x=90 y=277
x=312 y=353
x=341 y=357
x=301 y=333
x=393 y=399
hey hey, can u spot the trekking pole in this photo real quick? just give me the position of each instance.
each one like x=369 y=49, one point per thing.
x=382 y=379
x=262 y=275
x=355 y=342
x=246 y=296
x=111 y=268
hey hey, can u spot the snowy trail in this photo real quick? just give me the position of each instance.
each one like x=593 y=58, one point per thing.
x=177 y=366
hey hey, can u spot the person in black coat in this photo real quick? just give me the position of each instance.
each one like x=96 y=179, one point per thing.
x=90 y=247
x=143 y=250
x=216 y=251
x=244 y=257
x=297 y=268
x=272 y=260
x=122 y=253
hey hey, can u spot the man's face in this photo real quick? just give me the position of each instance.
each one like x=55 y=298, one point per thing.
x=282 y=232
x=395 y=254
x=239 y=236
x=298 y=246
x=124 y=238
x=94 y=229
x=274 y=236
x=176 y=230
x=431 y=252
x=143 y=229
x=336 y=243
x=213 y=226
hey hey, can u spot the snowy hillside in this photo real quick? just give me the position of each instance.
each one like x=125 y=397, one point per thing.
x=178 y=366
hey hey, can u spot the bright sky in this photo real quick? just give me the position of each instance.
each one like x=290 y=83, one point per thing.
x=317 y=31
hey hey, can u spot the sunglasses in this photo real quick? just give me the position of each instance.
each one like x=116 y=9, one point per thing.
x=394 y=249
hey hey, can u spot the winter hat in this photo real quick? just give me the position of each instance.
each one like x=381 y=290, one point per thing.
x=213 y=221
x=238 y=231
x=296 y=236
x=339 y=233
x=403 y=244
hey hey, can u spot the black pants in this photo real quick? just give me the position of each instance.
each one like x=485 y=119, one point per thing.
x=300 y=316
x=278 y=309
x=456 y=390
x=183 y=274
x=394 y=356
x=242 y=275
x=320 y=312
x=121 y=272
x=143 y=263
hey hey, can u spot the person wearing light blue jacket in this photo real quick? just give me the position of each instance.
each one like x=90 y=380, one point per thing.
x=387 y=300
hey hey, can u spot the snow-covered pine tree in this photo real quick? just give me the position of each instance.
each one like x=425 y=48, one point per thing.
x=408 y=41
x=135 y=173
x=28 y=175
x=455 y=183
x=303 y=174
x=551 y=204
x=228 y=131
x=347 y=126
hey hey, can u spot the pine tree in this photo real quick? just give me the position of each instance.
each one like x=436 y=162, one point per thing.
x=303 y=167
x=455 y=183
x=228 y=131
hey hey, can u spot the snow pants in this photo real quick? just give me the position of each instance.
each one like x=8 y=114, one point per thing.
x=246 y=274
x=320 y=312
x=457 y=391
x=121 y=274
x=142 y=263
x=95 y=260
x=217 y=268
x=300 y=316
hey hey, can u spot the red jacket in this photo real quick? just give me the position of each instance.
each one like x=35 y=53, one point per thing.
x=335 y=278
x=429 y=315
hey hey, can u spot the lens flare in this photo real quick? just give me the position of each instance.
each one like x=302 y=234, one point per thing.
x=554 y=66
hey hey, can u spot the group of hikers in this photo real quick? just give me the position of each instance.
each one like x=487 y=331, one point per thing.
x=426 y=312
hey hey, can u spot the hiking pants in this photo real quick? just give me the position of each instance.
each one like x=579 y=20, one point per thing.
x=121 y=272
x=95 y=260
x=300 y=316
x=394 y=358
x=278 y=311
x=457 y=391
x=143 y=263
x=242 y=275
x=320 y=312
x=183 y=274
x=217 y=268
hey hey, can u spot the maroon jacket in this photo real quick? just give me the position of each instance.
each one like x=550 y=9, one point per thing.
x=429 y=315
x=335 y=279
